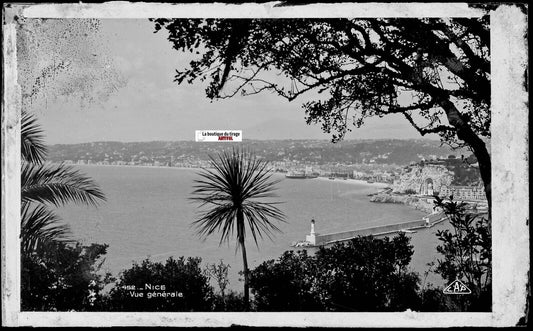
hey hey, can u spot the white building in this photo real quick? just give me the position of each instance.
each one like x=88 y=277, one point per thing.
x=469 y=193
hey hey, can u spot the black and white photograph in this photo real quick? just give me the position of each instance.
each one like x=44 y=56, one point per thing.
x=298 y=162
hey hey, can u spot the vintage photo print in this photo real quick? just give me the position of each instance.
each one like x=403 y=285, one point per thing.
x=213 y=164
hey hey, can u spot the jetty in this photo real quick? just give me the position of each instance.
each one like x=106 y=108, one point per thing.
x=315 y=239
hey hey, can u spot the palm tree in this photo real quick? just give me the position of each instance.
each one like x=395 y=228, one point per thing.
x=45 y=185
x=233 y=190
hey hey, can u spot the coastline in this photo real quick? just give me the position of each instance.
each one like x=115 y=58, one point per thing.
x=356 y=182
x=131 y=166
x=424 y=204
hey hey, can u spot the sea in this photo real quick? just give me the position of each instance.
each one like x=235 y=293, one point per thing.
x=148 y=215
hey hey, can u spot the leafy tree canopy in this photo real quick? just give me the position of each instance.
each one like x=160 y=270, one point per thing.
x=176 y=285
x=364 y=274
x=466 y=254
x=434 y=72
x=63 y=277
x=364 y=65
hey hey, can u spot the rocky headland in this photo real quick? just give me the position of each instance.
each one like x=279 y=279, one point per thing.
x=413 y=181
x=418 y=182
x=423 y=204
x=413 y=178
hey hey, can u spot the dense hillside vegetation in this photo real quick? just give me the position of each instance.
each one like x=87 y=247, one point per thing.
x=399 y=152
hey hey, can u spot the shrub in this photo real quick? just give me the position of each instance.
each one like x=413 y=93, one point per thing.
x=467 y=255
x=364 y=274
x=232 y=301
x=61 y=277
x=176 y=285
x=286 y=284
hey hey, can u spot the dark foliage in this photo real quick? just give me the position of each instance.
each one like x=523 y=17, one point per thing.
x=176 y=285
x=286 y=284
x=365 y=274
x=62 y=277
x=466 y=255
x=368 y=274
x=230 y=302
x=433 y=299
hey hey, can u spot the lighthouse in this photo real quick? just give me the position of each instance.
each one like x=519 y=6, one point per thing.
x=312 y=236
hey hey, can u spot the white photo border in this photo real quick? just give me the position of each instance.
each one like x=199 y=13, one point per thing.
x=509 y=144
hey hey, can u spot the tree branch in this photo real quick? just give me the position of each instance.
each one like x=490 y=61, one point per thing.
x=426 y=130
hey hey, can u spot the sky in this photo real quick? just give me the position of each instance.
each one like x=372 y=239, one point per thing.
x=147 y=105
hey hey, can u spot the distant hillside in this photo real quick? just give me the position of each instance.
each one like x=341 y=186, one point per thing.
x=391 y=151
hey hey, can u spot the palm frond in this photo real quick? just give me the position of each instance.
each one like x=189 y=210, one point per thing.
x=217 y=219
x=40 y=227
x=238 y=182
x=261 y=213
x=33 y=148
x=58 y=184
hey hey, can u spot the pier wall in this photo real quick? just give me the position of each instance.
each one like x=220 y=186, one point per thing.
x=321 y=239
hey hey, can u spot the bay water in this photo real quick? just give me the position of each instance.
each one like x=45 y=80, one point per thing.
x=148 y=215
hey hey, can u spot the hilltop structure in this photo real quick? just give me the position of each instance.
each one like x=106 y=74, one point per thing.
x=442 y=177
x=423 y=179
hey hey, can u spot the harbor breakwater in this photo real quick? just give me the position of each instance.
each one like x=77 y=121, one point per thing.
x=315 y=239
